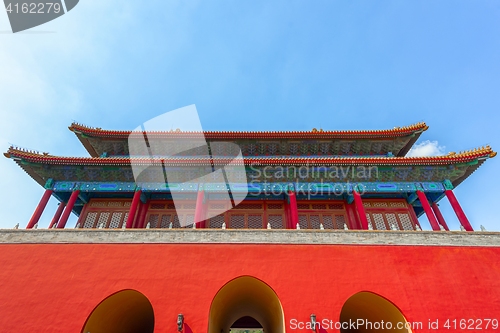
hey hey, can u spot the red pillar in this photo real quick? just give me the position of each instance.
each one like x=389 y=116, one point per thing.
x=361 y=210
x=352 y=221
x=57 y=215
x=144 y=214
x=458 y=210
x=428 y=211
x=294 y=212
x=439 y=216
x=39 y=209
x=199 y=212
x=139 y=211
x=133 y=209
x=68 y=209
x=138 y=220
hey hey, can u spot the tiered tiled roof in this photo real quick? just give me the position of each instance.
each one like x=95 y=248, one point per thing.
x=42 y=166
x=451 y=158
x=313 y=134
x=397 y=141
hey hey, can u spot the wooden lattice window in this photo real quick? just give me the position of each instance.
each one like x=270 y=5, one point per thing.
x=328 y=222
x=153 y=220
x=104 y=213
x=274 y=206
x=337 y=206
x=389 y=214
x=116 y=218
x=330 y=215
x=90 y=220
x=378 y=218
x=216 y=222
x=237 y=221
x=405 y=220
x=276 y=221
x=315 y=220
x=318 y=206
x=164 y=214
x=340 y=221
x=248 y=206
x=245 y=221
x=254 y=221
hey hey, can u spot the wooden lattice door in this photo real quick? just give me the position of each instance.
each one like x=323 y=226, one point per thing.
x=105 y=213
x=388 y=215
x=163 y=214
x=312 y=215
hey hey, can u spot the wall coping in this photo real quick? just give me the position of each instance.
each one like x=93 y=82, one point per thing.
x=264 y=236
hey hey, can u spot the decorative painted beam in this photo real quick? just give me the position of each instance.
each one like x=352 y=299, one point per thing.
x=337 y=188
x=448 y=185
x=412 y=198
x=349 y=198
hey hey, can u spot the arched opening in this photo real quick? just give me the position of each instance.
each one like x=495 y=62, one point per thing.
x=246 y=301
x=246 y=324
x=373 y=313
x=127 y=311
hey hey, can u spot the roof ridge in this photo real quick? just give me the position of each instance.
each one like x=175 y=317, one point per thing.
x=76 y=127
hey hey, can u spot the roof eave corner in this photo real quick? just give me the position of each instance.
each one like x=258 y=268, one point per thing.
x=413 y=140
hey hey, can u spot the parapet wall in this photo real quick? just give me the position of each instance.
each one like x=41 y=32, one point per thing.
x=204 y=236
x=63 y=275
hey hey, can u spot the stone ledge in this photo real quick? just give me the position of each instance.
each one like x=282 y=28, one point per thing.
x=216 y=236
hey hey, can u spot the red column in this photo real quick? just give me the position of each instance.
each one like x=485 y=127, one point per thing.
x=458 y=210
x=142 y=223
x=439 y=216
x=39 y=209
x=361 y=210
x=140 y=207
x=143 y=209
x=294 y=212
x=133 y=209
x=68 y=209
x=199 y=211
x=288 y=222
x=352 y=221
x=428 y=210
x=57 y=215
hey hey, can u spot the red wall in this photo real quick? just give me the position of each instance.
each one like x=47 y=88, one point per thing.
x=53 y=288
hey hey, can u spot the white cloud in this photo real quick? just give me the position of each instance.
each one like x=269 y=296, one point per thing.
x=426 y=148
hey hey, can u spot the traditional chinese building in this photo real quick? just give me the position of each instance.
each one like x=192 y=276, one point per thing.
x=287 y=229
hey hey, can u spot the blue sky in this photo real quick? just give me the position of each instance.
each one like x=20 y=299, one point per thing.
x=256 y=65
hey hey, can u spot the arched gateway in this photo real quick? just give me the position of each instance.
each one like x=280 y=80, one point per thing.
x=246 y=301
x=374 y=314
x=127 y=311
